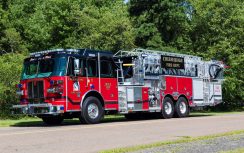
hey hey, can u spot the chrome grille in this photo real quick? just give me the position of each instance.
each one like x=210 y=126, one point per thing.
x=35 y=89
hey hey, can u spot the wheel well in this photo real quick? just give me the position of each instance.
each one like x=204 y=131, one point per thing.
x=170 y=96
x=94 y=94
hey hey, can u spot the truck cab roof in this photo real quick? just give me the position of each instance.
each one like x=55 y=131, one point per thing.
x=72 y=52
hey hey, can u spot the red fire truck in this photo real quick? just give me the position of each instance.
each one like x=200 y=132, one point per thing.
x=67 y=83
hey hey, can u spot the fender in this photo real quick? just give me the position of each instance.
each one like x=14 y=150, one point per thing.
x=91 y=92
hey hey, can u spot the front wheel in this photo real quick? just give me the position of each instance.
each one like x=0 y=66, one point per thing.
x=167 y=108
x=181 y=108
x=92 y=111
x=53 y=120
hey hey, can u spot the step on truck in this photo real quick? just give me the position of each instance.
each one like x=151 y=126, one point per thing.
x=87 y=84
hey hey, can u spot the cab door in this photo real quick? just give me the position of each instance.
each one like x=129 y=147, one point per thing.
x=75 y=84
x=109 y=87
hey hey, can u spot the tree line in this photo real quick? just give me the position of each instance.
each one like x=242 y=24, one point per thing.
x=207 y=28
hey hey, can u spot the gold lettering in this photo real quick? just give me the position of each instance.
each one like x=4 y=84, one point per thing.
x=169 y=64
x=108 y=86
x=176 y=65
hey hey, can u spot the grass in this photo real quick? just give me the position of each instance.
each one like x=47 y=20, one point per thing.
x=182 y=140
x=239 y=150
x=24 y=121
x=34 y=121
x=206 y=113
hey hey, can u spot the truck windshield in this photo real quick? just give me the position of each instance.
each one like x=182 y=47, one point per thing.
x=35 y=68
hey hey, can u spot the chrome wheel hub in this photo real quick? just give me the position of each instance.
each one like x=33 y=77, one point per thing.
x=168 y=108
x=93 y=111
x=183 y=107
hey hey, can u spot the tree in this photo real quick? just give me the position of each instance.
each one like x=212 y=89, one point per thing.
x=10 y=38
x=106 y=28
x=159 y=24
x=10 y=71
x=97 y=24
x=217 y=31
x=2 y=27
x=12 y=41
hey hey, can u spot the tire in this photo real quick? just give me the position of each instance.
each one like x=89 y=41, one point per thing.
x=92 y=111
x=52 y=120
x=82 y=121
x=167 y=108
x=181 y=108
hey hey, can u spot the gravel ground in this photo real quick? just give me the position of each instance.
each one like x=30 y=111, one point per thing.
x=213 y=145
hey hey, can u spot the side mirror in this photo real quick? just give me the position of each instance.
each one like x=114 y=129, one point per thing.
x=76 y=66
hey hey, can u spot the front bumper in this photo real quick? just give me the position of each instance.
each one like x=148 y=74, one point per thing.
x=38 y=109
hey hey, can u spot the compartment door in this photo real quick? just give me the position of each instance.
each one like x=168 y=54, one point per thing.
x=198 y=97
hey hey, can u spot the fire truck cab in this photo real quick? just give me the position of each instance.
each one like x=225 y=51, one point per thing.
x=84 y=83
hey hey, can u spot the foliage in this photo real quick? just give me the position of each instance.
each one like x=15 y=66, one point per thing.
x=160 y=24
x=10 y=70
x=217 y=31
x=95 y=24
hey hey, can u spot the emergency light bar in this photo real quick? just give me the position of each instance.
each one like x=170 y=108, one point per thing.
x=53 y=50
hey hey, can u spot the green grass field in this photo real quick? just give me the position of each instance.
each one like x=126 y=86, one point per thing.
x=239 y=150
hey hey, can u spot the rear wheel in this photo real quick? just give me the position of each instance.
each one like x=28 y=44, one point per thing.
x=53 y=120
x=167 y=108
x=92 y=111
x=181 y=108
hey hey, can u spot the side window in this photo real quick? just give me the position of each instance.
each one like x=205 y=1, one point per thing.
x=92 y=68
x=82 y=68
x=71 y=67
x=107 y=69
